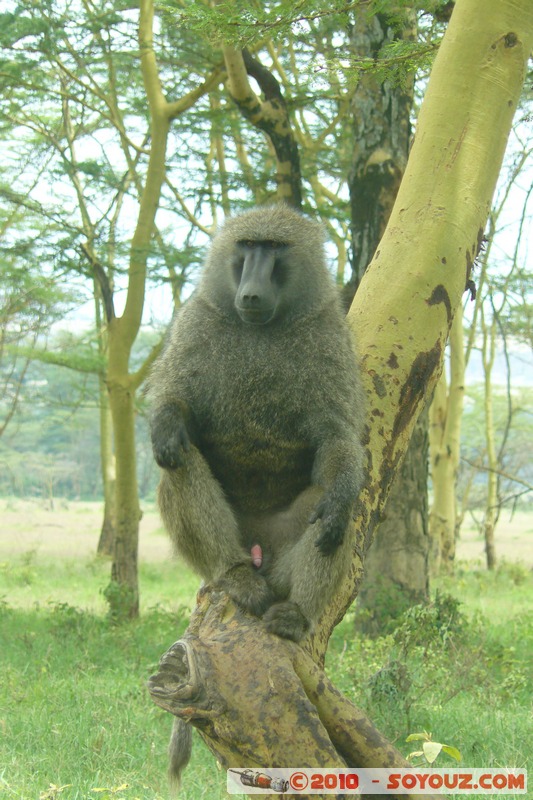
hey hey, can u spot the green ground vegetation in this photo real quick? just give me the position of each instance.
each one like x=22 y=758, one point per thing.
x=76 y=721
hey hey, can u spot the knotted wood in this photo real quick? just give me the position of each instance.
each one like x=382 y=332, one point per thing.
x=259 y=701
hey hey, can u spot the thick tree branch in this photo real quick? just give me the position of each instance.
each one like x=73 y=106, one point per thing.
x=287 y=712
x=161 y=115
x=269 y=115
x=267 y=82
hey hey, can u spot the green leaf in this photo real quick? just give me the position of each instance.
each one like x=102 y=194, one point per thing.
x=418 y=737
x=452 y=751
x=90 y=362
x=431 y=750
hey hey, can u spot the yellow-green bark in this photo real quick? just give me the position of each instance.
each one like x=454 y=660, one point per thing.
x=270 y=115
x=444 y=442
x=123 y=595
x=107 y=466
x=396 y=567
x=492 y=510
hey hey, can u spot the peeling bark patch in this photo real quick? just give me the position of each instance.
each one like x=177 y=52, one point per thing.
x=480 y=241
x=470 y=260
x=368 y=462
x=393 y=361
x=374 y=520
x=510 y=39
x=469 y=265
x=443 y=260
x=472 y=288
x=387 y=472
x=415 y=387
x=379 y=385
x=440 y=295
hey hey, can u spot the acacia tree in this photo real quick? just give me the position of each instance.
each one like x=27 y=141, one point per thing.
x=29 y=305
x=227 y=667
x=85 y=118
x=123 y=593
x=396 y=569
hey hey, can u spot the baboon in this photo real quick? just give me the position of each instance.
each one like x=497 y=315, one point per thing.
x=256 y=422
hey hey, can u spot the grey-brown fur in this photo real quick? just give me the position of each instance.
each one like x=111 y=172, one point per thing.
x=179 y=752
x=258 y=426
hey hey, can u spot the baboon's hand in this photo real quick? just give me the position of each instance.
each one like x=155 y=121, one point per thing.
x=247 y=588
x=334 y=517
x=170 y=438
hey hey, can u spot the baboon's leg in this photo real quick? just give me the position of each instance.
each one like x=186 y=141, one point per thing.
x=303 y=575
x=313 y=594
x=204 y=531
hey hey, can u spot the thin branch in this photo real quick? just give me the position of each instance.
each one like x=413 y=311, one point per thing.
x=138 y=378
x=188 y=213
x=187 y=101
x=102 y=279
x=499 y=472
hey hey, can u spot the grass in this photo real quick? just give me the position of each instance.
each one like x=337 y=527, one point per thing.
x=30 y=579
x=76 y=721
x=458 y=675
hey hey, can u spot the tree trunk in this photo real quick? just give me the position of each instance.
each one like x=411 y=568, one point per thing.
x=123 y=592
x=396 y=568
x=107 y=465
x=492 y=506
x=381 y=139
x=400 y=317
x=229 y=675
x=445 y=440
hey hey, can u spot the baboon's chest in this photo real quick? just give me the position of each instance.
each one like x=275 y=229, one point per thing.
x=250 y=405
x=258 y=454
x=259 y=473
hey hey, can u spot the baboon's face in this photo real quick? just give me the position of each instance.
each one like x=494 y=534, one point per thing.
x=260 y=271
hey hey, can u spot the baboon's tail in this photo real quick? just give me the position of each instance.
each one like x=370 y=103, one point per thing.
x=179 y=751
